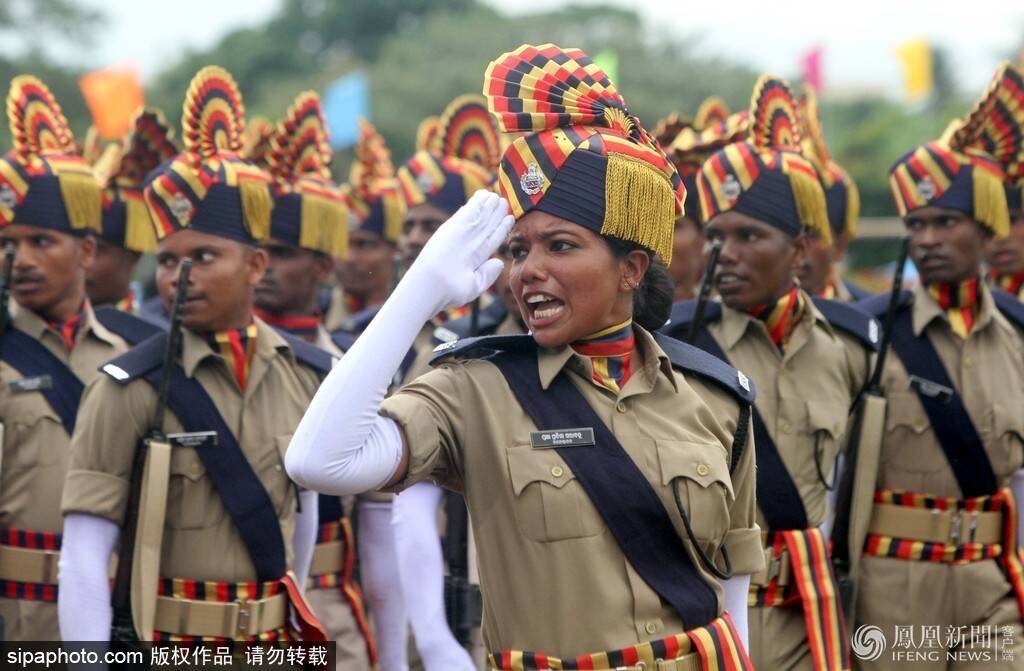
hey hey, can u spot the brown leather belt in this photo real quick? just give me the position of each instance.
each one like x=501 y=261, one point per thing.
x=328 y=557
x=233 y=620
x=948 y=527
x=28 y=565
x=776 y=568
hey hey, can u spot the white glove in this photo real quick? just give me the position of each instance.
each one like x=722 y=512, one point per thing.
x=342 y=446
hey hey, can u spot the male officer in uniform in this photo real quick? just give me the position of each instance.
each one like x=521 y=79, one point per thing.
x=808 y=359
x=52 y=344
x=941 y=548
x=233 y=526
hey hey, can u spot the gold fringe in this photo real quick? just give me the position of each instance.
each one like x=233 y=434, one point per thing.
x=990 y=201
x=81 y=195
x=323 y=225
x=394 y=214
x=810 y=204
x=852 y=209
x=639 y=205
x=139 y=231
x=256 y=205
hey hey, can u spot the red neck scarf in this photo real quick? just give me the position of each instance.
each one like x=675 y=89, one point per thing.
x=300 y=326
x=610 y=351
x=780 y=317
x=960 y=301
x=1013 y=283
x=68 y=329
x=353 y=304
x=126 y=304
x=237 y=347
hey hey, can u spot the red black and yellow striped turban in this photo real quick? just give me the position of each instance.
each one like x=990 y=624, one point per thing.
x=585 y=158
x=969 y=169
x=256 y=141
x=372 y=194
x=123 y=173
x=842 y=198
x=461 y=156
x=694 y=141
x=43 y=180
x=309 y=209
x=766 y=176
x=209 y=187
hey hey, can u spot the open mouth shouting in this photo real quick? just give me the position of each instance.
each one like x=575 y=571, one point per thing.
x=542 y=309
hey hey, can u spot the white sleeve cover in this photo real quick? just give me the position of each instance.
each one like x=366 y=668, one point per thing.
x=342 y=446
x=304 y=536
x=1017 y=487
x=736 y=589
x=83 y=596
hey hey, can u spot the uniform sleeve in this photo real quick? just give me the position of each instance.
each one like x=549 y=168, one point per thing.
x=743 y=540
x=860 y=362
x=111 y=420
x=429 y=410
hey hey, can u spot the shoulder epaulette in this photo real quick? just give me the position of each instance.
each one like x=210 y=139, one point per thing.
x=152 y=310
x=858 y=292
x=309 y=355
x=689 y=359
x=682 y=315
x=483 y=346
x=851 y=320
x=358 y=322
x=1011 y=308
x=344 y=340
x=877 y=305
x=133 y=329
x=488 y=320
x=137 y=361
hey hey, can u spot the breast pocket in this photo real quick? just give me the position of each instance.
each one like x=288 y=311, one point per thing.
x=701 y=473
x=905 y=447
x=1008 y=426
x=192 y=500
x=826 y=425
x=34 y=434
x=550 y=504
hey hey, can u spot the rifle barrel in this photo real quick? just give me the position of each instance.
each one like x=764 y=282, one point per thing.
x=705 y=291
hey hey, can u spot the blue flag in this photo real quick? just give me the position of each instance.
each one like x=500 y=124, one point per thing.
x=345 y=101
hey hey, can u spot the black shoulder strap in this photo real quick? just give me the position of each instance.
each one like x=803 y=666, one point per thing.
x=137 y=361
x=488 y=321
x=308 y=354
x=344 y=340
x=877 y=305
x=639 y=522
x=956 y=433
x=682 y=314
x=133 y=329
x=850 y=320
x=1011 y=308
x=358 y=322
x=237 y=484
x=481 y=346
x=30 y=357
x=777 y=494
x=690 y=359
x=858 y=292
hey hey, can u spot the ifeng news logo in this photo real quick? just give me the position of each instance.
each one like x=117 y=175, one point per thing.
x=935 y=643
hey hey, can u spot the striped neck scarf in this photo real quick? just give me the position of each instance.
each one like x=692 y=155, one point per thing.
x=1013 y=283
x=68 y=329
x=781 y=316
x=354 y=304
x=829 y=291
x=610 y=351
x=960 y=301
x=126 y=304
x=301 y=326
x=237 y=347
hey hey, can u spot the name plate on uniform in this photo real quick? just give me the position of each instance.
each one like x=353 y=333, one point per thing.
x=542 y=440
x=193 y=439
x=940 y=392
x=27 y=384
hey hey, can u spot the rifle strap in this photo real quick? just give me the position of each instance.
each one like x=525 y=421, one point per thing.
x=149 y=535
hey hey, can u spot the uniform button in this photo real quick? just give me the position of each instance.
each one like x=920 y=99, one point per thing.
x=620 y=406
x=786 y=427
x=650 y=627
x=278 y=467
x=968 y=361
x=557 y=471
x=702 y=469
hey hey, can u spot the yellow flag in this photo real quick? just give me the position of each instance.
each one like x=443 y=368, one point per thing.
x=918 y=69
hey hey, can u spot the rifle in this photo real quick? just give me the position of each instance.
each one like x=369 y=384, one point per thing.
x=463 y=603
x=865 y=431
x=705 y=290
x=122 y=630
x=5 y=320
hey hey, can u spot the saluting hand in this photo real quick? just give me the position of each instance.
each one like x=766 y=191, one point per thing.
x=456 y=263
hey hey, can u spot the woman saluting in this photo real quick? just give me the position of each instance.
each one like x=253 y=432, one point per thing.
x=608 y=473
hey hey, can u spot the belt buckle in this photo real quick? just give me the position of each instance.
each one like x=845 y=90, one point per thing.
x=956 y=526
x=774 y=568
x=244 y=621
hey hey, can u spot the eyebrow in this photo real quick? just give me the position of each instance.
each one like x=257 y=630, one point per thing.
x=547 y=235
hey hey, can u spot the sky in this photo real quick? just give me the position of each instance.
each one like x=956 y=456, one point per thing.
x=859 y=38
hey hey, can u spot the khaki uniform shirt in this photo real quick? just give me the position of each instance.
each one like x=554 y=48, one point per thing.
x=987 y=370
x=200 y=539
x=553 y=578
x=804 y=396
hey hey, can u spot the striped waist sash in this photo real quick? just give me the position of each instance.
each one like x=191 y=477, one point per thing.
x=799 y=572
x=28 y=564
x=333 y=566
x=708 y=648
x=956 y=531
